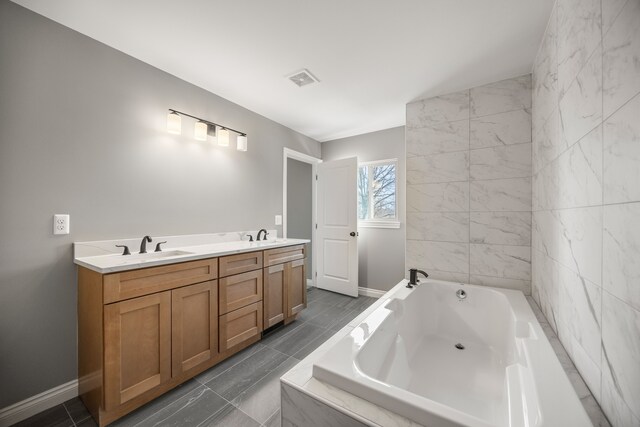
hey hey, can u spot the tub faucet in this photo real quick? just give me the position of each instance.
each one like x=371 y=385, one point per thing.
x=266 y=233
x=143 y=244
x=413 y=277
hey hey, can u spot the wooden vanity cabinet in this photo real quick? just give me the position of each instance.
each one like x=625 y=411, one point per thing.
x=285 y=284
x=143 y=332
x=153 y=338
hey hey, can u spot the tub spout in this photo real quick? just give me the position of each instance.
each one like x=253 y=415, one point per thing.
x=413 y=277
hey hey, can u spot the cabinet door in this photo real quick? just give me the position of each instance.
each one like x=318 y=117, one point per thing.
x=274 y=296
x=137 y=346
x=296 y=287
x=194 y=326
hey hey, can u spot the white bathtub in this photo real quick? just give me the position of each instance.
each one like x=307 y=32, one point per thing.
x=403 y=357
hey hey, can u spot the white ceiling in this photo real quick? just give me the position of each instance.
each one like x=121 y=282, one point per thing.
x=371 y=56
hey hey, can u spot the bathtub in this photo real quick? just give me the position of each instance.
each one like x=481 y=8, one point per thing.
x=444 y=358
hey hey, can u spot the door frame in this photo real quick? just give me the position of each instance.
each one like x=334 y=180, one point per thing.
x=313 y=161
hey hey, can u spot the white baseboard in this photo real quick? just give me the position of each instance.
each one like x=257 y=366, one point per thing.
x=38 y=403
x=368 y=292
x=309 y=283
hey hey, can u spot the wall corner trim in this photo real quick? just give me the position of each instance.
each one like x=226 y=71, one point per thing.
x=368 y=292
x=35 y=404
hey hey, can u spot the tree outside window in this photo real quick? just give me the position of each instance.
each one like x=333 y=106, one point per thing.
x=377 y=190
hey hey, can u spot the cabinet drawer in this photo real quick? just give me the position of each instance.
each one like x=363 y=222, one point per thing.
x=240 y=290
x=240 y=263
x=135 y=283
x=240 y=325
x=282 y=255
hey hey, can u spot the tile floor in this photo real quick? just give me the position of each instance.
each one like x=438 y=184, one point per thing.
x=243 y=390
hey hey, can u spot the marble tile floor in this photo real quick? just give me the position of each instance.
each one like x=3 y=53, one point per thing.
x=242 y=391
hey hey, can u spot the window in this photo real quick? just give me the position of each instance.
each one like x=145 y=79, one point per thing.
x=377 y=198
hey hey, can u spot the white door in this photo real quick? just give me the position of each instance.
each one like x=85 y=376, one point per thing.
x=337 y=226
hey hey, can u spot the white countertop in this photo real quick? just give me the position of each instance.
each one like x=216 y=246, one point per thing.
x=115 y=262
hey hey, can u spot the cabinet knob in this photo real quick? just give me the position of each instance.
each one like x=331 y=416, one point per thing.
x=352 y=234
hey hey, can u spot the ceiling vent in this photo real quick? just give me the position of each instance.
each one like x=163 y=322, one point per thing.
x=303 y=78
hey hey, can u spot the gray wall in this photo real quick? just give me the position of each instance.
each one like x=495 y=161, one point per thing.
x=469 y=185
x=586 y=194
x=83 y=131
x=300 y=204
x=380 y=251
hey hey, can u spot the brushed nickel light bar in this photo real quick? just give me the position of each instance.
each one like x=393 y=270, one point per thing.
x=204 y=128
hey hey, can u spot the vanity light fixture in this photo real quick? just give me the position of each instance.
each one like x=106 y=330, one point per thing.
x=223 y=137
x=242 y=143
x=205 y=128
x=174 y=123
x=200 y=131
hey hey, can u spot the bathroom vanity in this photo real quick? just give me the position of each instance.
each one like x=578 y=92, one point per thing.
x=144 y=330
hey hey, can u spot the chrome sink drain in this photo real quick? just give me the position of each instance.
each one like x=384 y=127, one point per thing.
x=459 y=346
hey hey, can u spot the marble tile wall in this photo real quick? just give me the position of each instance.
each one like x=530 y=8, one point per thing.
x=586 y=194
x=469 y=184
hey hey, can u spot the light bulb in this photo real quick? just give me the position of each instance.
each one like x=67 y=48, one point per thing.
x=200 y=131
x=242 y=143
x=223 y=137
x=174 y=123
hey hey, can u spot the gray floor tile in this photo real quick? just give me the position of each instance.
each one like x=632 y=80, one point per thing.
x=328 y=317
x=263 y=398
x=52 y=417
x=277 y=334
x=275 y=420
x=361 y=303
x=334 y=299
x=210 y=374
x=230 y=416
x=347 y=302
x=308 y=349
x=156 y=405
x=194 y=408
x=313 y=294
x=241 y=376
x=292 y=343
x=77 y=410
x=312 y=310
x=344 y=320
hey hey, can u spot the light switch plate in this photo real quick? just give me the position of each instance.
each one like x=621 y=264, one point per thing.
x=278 y=219
x=61 y=224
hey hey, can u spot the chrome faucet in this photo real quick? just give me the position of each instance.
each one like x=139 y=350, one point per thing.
x=143 y=244
x=266 y=233
x=413 y=277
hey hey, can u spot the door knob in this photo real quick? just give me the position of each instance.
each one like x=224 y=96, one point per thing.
x=352 y=234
